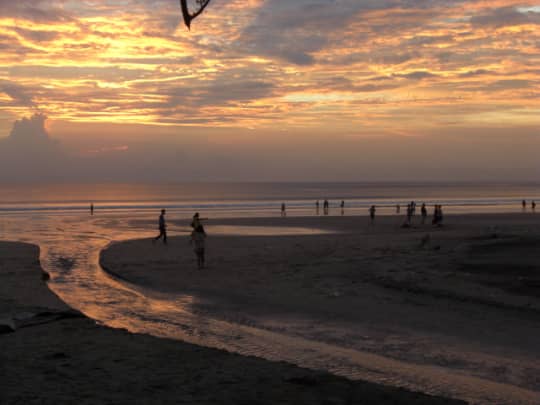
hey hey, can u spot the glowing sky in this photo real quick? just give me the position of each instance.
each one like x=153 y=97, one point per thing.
x=334 y=68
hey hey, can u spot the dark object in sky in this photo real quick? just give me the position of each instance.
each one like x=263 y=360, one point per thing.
x=200 y=5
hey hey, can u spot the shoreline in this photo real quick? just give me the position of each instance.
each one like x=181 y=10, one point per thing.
x=71 y=359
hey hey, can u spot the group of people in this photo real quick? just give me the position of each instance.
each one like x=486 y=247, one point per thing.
x=524 y=205
x=326 y=207
x=411 y=211
x=198 y=236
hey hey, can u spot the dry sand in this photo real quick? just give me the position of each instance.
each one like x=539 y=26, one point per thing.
x=466 y=297
x=56 y=356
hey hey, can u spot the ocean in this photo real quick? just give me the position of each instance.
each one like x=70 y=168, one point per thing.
x=265 y=199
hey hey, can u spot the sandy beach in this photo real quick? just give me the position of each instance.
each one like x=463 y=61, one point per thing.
x=51 y=354
x=465 y=298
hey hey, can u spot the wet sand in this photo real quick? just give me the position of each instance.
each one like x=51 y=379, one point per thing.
x=465 y=298
x=50 y=354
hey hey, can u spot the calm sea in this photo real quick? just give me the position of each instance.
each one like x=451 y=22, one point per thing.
x=230 y=199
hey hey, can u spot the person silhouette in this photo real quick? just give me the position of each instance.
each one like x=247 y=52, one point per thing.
x=398 y=208
x=533 y=205
x=91 y=208
x=283 y=210
x=342 y=205
x=326 y=207
x=196 y=221
x=317 y=207
x=423 y=211
x=372 y=210
x=524 y=205
x=198 y=236
x=162 y=228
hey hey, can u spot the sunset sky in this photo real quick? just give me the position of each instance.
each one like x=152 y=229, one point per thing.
x=273 y=90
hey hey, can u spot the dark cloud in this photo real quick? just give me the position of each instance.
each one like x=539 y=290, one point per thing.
x=505 y=16
x=36 y=10
x=28 y=153
x=21 y=95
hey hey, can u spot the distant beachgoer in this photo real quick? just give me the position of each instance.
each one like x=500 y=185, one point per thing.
x=437 y=215
x=372 y=210
x=91 y=208
x=409 y=213
x=342 y=205
x=398 y=208
x=317 y=207
x=326 y=206
x=162 y=228
x=198 y=236
x=283 y=210
x=423 y=211
x=524 y=205
x=413 y=207
x=533 y=205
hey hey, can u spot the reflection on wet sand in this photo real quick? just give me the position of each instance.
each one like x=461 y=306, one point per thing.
x=71 y=255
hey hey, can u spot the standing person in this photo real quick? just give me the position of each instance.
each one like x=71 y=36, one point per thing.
x=91 y=208
x=437 y=215
x=423 y=211
x=317 y=207
x=198 y=236
x=398 y=208
x=409 y=213
x=533 y=205
x=162 y=228
x=196 y=221
x=342 y=205
x=326 y=206
x=372 y=210
x=524 y=205
x=283 y=210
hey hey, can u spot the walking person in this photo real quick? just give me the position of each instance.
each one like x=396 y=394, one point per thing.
x=524 y=205
x=398 y=208
x=91 y=208
x=533 y=206
x=326 y=207
x=342 y=205
x=317 y=207
x=423 y=211
x=196 y=221
x=198 y=237
x=372 y=210
x=162 y=228
x=283 y=210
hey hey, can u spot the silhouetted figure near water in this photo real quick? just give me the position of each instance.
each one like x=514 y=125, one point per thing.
x=437 y=216
x=342 y=205
x=326 y=206
x=524 y=205
x=283 y=210
x=196 y=221
x=409 y=214
x=533 y=206
x=398 y=208
x=317 y=207
x=91 y=208
x=372 y=210
x=423 y=211
x=162 y=228
x=198 y=237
